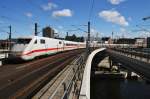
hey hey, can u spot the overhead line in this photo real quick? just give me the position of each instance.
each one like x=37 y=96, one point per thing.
x=91 y=10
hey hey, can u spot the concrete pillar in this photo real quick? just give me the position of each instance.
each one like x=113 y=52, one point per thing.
x=110 y=64
x=118 y=70
x=129 y=74
x=0 y=63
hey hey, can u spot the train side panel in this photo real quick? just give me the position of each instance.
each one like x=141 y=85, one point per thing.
x=42 y=46
x=69 y=45
x=54 y=46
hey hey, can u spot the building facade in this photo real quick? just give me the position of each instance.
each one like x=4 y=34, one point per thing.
x=48 y=32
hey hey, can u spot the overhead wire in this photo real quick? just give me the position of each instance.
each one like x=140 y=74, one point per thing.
x=91 y=16
x=91 y=10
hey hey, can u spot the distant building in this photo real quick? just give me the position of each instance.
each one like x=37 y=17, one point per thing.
x=106 y=40
x=4 y=44
x=74 y=38
x=48 y=32
x=125 y=41
x=140 y=42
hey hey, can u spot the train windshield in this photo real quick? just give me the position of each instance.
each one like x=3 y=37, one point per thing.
x=23 y=41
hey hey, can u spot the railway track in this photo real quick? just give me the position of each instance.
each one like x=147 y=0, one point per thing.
x=132 y=64
x=34 y=79
x=12 y=72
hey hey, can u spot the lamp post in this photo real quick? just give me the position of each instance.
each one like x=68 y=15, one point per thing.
x=10 y=37
x=147 y=18
x=88 y=39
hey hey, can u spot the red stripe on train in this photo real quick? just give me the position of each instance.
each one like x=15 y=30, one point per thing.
x=42 y=50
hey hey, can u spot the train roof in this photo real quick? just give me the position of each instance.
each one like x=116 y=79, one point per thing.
x=30 y=37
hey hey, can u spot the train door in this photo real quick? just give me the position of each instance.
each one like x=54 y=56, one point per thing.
x=46 y=47
x=60 y=45
x=34 y=48
x=63 y=45
x=43 y=47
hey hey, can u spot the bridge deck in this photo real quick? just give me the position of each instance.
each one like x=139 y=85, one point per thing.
x=138 y=66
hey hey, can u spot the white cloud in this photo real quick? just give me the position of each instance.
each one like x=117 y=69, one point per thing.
x=49 y=6
x=56 y=30
x=60 y=27
x=62 y=13
x=93 y=30
x=96 y=32
x=144 y=34
x=114 y=17
x=115 y=2
x=29 y=14
x=123 y=30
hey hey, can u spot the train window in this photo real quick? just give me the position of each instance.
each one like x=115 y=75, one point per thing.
x=23 y=41
x=60 y=42
x=68 y=44
x=35 y=42
x=42 y=41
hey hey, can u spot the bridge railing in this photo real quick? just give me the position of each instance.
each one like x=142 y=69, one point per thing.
x=134 y=54
x=71 y=81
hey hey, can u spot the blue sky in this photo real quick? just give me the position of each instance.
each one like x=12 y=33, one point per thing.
x=119 y=16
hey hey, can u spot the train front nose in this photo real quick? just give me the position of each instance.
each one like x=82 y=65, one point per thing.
x=17 y=51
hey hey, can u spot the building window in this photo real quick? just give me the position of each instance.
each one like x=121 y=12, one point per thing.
x=42 y=41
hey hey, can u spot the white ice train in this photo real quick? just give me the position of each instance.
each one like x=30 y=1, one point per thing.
x=28 y=48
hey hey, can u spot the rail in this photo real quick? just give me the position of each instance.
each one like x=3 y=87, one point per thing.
x=143 y=56
x=32 y=79
x=71 y=81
